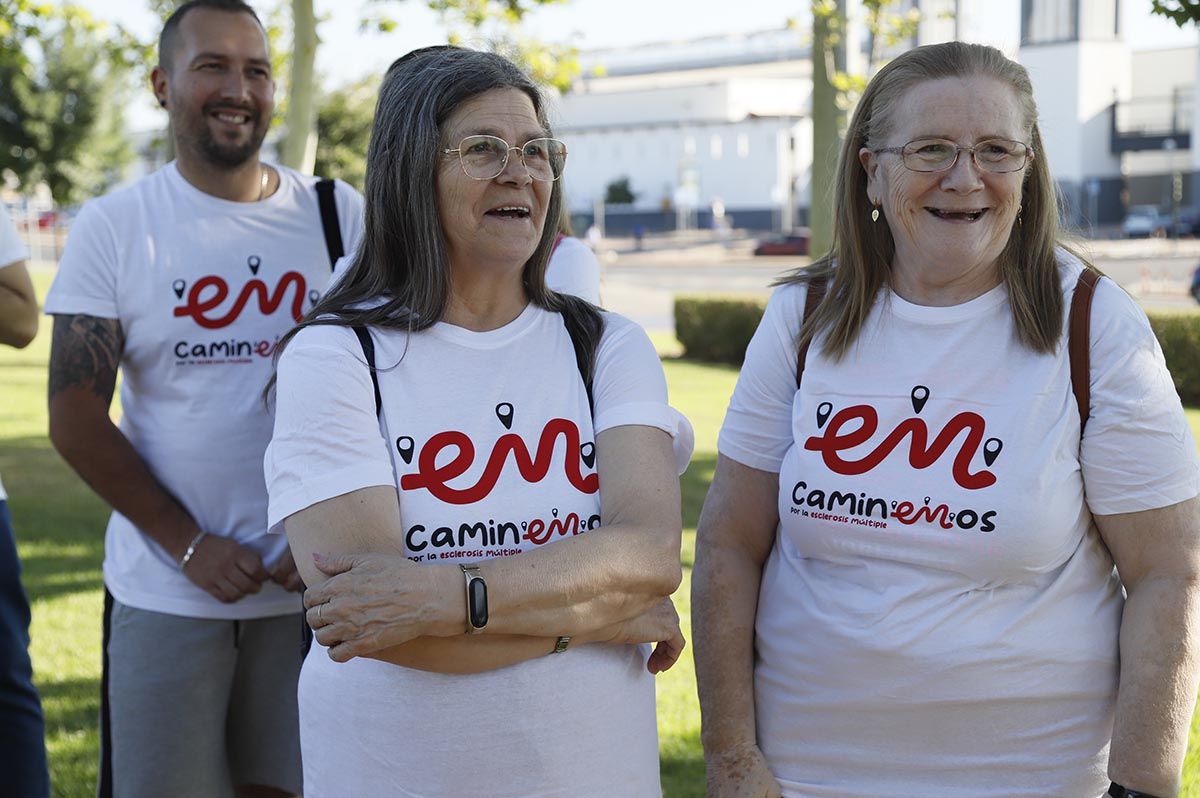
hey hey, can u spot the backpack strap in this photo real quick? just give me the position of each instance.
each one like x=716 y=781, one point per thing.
x=368 y=349
x=329 y=221
x=812 y=298
x=581 y=360
x=1079 y=339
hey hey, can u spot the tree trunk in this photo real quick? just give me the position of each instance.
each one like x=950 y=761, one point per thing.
x=298 y=148
x=826 y=124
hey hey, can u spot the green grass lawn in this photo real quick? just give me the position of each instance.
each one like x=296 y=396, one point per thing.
x=60 y=527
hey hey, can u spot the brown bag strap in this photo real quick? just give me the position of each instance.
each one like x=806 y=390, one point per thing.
x=812 y=298
x=1079 y=339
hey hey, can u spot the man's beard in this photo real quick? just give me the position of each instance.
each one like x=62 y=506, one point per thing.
x=226 y=155
x=230 y=155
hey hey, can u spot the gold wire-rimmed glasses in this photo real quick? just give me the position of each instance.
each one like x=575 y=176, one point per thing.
x=485 y=157
x=937 y=155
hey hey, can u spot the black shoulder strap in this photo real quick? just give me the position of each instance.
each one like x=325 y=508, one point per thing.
x=368 y=348
x=581 y=360
x=329 y=221
x=1079 y=341
x=812 y=298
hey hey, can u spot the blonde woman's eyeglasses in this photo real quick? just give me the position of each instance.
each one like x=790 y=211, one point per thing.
x=937 y=155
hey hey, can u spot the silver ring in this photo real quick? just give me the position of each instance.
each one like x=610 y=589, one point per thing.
x=319 y=618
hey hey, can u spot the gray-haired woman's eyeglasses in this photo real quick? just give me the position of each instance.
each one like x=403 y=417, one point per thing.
x=937 y=155
x=485 y=157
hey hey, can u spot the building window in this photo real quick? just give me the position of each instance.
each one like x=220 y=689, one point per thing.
x=716 y=147
x=743 y=144
x=1048 y=21
x=689 y=145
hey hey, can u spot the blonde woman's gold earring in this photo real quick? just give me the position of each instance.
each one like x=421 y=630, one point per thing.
x=875 y=215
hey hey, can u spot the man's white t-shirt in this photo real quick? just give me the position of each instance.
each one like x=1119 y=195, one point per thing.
x=12 y=250
x=574 y=269
x=938 y=616
x=203 y=288
x=489 y=439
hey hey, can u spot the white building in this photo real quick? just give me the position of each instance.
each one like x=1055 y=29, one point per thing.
x=721 y=119
x=726 y=120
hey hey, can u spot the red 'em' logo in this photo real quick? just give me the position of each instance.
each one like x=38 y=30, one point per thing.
x=532 y=468
x=198 y=307
x=921 y=453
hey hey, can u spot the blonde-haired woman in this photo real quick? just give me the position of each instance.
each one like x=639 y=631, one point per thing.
x=904 y=576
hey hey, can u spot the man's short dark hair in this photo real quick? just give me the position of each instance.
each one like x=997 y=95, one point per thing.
x=170 y=32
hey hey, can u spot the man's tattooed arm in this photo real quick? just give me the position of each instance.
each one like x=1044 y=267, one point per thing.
x=84 y=355
x=85 y=352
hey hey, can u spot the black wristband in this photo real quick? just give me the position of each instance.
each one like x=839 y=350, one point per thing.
x=1117 y=791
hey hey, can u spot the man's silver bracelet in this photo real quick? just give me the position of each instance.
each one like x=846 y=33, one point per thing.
x=191 y=549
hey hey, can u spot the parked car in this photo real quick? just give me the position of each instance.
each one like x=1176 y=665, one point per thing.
x=794 y=244
x=1188 y=224
x=1145 y=221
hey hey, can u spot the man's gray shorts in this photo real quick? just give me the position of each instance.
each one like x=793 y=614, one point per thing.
x=191 y=707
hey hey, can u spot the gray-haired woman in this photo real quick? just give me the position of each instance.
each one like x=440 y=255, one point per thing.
x=902 y=587
x=478 y=603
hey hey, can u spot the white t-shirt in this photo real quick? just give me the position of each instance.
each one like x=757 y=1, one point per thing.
x=938 y=616
x=490 y=441
x=203 y=288
x=574 y=269
x=12 y=249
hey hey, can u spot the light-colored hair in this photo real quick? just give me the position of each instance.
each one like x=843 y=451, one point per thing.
x=862 y=251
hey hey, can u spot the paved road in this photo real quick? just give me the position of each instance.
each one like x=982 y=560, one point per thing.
x=643 y=285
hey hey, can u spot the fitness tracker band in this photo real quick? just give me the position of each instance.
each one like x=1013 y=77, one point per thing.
x=1117 y=791
x=477 y=603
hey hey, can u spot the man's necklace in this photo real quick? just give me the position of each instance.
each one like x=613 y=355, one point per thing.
x=262 y=183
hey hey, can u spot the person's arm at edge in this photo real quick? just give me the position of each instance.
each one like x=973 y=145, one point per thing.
x=18 y=306
x=733 y=539
x=1157 y=553
x=85 y=352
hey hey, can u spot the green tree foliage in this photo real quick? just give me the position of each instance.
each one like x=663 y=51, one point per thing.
x=1181 y=12
x=836 y=90
x=63 y=78
x=344 y=131
x=487 y=24
x=618 y=192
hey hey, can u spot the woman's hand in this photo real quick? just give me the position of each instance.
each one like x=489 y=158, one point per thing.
x=658 y=625
x=375 y=601
x=740 y=772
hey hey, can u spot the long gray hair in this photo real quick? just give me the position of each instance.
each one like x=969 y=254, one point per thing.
x=403 y=258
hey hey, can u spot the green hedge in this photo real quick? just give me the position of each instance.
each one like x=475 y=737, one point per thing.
x=718 y=329
x=1179 y=336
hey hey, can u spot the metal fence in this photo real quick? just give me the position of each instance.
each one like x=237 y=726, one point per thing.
x=42 y=226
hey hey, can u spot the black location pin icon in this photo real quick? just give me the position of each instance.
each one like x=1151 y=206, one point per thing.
x=504 y=412
x=178 y=287
x=254 y=262
x=404 y=445
x=313 y=296
x=588 y=453
x=991 y=450
x=920 y=395
x=823 y=411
